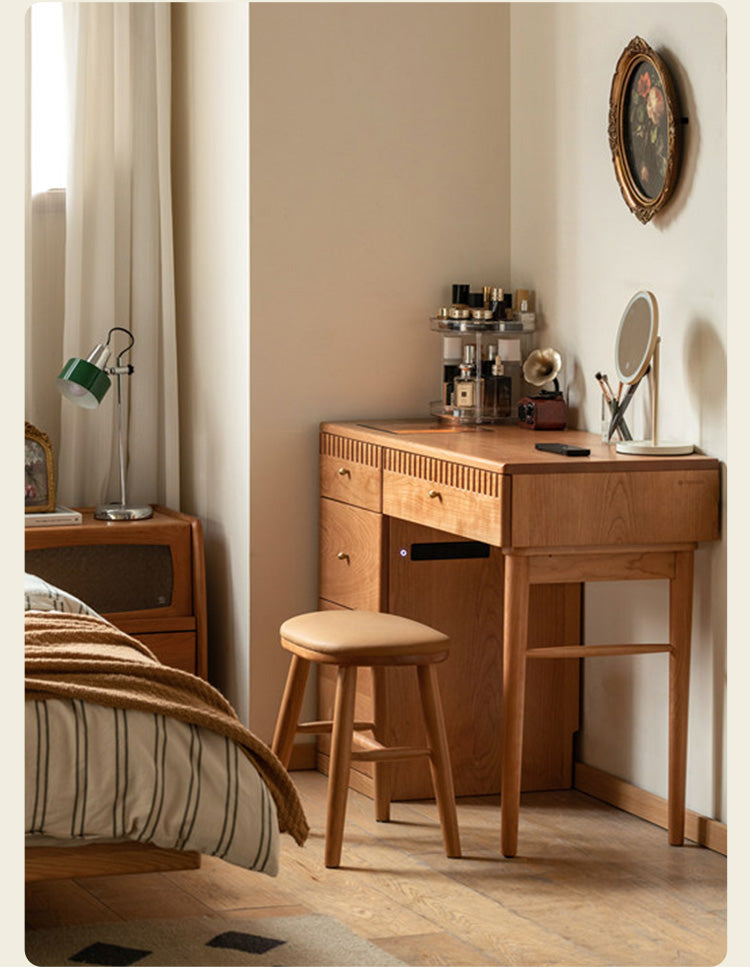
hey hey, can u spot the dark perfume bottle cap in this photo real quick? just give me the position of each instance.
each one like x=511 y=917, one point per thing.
x=460 y=293
x=476 y=300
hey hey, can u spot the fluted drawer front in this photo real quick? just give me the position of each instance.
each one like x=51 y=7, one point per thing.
x=351 y=555
x=350 y=471
x=461 y=500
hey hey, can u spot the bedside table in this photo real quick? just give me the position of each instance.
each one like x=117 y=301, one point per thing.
x=147 y=577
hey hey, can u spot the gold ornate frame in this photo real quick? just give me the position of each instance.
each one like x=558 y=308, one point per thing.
x=41 y=438
x=638 y=53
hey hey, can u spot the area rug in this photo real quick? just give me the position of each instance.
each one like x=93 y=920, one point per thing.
x=304 y=941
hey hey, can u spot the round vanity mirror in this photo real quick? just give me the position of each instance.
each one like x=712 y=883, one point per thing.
x=636 y=337
x=637 y=354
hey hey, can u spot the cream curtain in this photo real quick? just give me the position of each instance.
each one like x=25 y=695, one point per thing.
x=118 y=249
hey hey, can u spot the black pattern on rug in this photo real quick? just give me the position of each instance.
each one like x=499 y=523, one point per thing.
x=109 y=955
x=307 y=940
x=251 y=943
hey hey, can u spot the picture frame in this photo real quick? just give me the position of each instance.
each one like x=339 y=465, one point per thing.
x=39 y=471
x=645 y=130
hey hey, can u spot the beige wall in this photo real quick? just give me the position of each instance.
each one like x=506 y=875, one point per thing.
x=577 y=244
x=210 y=172
x=379 y=176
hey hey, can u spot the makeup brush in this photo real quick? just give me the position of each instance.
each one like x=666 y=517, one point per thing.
x=621 y=426
x=617 y=416
x=602 y=381
x=609 y=388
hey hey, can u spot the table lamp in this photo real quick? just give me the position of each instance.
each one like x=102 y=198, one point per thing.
x=85 y=382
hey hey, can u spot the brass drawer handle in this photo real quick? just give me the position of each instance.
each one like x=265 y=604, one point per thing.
x=344 y=472
x=433 y=493
x=342 y=556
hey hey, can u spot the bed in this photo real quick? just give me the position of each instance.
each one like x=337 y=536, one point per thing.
x=132 y=765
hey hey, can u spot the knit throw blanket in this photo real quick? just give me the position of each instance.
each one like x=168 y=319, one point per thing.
x=80 y=656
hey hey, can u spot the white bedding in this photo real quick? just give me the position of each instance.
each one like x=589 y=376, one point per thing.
x=96 y=773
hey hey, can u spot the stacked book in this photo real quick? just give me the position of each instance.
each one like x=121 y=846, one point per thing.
x=53 y=518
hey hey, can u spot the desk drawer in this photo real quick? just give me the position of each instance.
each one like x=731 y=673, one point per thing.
x=449 y=497
x=637 y=507
x=351 y=555
x=350 y=471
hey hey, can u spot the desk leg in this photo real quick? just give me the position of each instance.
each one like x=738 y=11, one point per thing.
x=515 y=632
x=680 y=622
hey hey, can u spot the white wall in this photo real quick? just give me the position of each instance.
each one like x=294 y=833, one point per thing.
x=379 y=176
x=211 y=206
x=575 y=242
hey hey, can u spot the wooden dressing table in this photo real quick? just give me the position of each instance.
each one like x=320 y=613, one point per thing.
x=517 y=532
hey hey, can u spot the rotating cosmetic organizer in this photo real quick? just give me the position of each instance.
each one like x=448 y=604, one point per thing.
x=481 y=369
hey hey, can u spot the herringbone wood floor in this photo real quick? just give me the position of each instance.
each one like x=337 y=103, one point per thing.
x=591 y=885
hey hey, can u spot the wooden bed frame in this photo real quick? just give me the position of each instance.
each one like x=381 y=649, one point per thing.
x=104 y=859
x=111 y=859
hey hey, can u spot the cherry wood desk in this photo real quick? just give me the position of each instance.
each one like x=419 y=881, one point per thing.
x=553 y=522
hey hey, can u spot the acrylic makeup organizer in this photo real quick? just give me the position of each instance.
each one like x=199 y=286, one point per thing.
x=476 y=388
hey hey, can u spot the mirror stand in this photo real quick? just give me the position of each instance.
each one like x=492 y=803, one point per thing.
x=653 y=447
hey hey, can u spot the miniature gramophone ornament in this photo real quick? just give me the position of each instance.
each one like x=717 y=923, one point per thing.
x=545 y=410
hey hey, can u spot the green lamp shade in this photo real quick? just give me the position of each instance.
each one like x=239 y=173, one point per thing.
x=83 y=383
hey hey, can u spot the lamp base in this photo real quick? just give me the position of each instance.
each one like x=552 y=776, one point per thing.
x=648 y=448
x=121 y=512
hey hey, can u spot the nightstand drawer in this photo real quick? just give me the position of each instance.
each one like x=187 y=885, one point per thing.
x=439 y=504
x=351 y=555
x=174 y=648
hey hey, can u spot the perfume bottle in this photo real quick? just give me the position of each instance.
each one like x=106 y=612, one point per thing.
x=465 y=383
x=498 y=389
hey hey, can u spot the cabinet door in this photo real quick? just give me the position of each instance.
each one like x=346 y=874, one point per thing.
x=351 y=555
x=457 y=587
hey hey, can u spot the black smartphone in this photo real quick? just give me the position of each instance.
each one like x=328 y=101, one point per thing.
x=566 y=449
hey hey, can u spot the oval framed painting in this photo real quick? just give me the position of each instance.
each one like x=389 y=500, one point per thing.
x=644 y=129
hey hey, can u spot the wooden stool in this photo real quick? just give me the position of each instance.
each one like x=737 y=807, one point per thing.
x=350 y=639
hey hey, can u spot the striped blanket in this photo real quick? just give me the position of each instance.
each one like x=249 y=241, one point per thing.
x=121 y=746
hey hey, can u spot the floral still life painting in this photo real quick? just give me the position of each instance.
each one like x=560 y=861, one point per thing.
x=645 y=129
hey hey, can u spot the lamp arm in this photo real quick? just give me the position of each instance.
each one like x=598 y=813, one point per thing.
x=129 y=345
x=119 y=371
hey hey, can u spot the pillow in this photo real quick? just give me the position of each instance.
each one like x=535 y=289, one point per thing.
x=40 y=596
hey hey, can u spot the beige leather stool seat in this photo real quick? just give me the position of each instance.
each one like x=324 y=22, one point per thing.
x=349 y=640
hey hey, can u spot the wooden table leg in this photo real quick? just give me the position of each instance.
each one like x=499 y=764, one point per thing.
x=340 y=763
x=515 y=631
x=680 y=623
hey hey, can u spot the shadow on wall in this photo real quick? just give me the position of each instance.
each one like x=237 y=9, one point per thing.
x=705 y=362
x=691 y=142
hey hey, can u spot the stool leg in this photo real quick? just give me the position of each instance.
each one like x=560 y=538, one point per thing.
x=383 y=771
x=440 y=766
x=289 y=712
x=341 y=757
x=680 y=621
x=515 y=630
